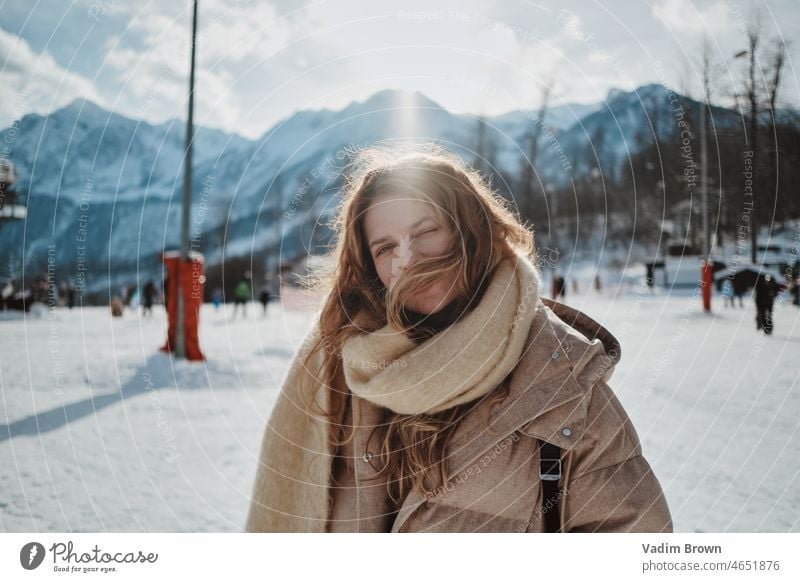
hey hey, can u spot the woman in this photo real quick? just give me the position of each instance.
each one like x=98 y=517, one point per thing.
x=422 y=395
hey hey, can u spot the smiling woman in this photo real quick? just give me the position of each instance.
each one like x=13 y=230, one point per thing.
x=421 y=398
x=402 y=228
x=392 y=253
x=414 y=218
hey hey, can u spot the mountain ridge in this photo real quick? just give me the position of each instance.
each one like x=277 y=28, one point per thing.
x=129 y=172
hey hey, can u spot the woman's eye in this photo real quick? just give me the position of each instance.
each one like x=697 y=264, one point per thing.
x=383 y=249
x=430 y=230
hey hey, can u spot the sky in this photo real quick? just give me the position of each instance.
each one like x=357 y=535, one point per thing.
x=259 y=61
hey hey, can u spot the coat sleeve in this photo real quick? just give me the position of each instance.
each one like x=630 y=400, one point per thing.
x=611 y=486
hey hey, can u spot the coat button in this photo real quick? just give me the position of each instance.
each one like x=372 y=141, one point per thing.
x=566 y=431
x=554 y=355
x=367 y=456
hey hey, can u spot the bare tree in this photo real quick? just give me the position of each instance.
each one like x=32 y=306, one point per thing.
x=778 y=59
x=706 y=72
x=753 y=42
x=484 y=151
x=529 y=189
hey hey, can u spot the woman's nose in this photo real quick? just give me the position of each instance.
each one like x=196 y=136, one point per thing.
x=404 y=252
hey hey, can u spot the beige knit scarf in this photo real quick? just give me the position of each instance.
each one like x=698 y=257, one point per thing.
x=459 y=364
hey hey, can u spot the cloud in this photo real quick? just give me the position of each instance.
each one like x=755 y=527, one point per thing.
x=260 y=61
x=37 y=83
x=241 y=54
x=687 y=18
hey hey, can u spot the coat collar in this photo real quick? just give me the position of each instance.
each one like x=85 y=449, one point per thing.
x=549 y=386
x=565 y=353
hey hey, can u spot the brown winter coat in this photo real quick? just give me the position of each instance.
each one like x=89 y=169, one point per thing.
x=559 y=392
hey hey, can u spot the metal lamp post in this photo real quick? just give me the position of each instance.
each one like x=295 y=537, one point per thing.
x=180 y=341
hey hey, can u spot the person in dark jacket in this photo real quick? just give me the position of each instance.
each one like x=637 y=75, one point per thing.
x=739 y=290
x=559 y=287
x=766 y=290
x=242 y=294
x=166 y=294
x=264 y=299
x=148 y=296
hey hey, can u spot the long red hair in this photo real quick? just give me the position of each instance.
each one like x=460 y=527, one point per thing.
x=411 y=447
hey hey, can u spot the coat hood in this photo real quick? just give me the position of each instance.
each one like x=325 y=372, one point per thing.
x=591 y=330
x=569 y=353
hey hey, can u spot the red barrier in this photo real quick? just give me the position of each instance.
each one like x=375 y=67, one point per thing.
x=192 y=281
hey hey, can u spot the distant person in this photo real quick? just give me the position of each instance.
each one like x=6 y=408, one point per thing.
x=597 y=284
x=70 y=295
x=148 y=297
x=166 y=294
x=135 y=299
x=242 y=294
x=559 y=287
x=739 y=289
x=264 y=298
x=6 y=293
x=124 y=294
x=62 y=293
x=117 y=306
x=52 y=295
x=766 y=290
x=727 y=291
x=216 y=298
x=649 y=277
x=39 y=292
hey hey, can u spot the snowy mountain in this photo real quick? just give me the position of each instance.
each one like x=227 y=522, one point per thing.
x=624 y=122
x=106 y=189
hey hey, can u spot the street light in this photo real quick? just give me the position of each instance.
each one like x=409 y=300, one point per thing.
x=707 y=268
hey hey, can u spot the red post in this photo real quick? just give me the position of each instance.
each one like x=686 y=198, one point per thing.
x=706 y=278
x=192 y=282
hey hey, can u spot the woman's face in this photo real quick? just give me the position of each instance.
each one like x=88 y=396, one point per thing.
x=401 y=230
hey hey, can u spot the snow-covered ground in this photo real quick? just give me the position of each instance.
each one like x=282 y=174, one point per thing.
x=102 y=432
